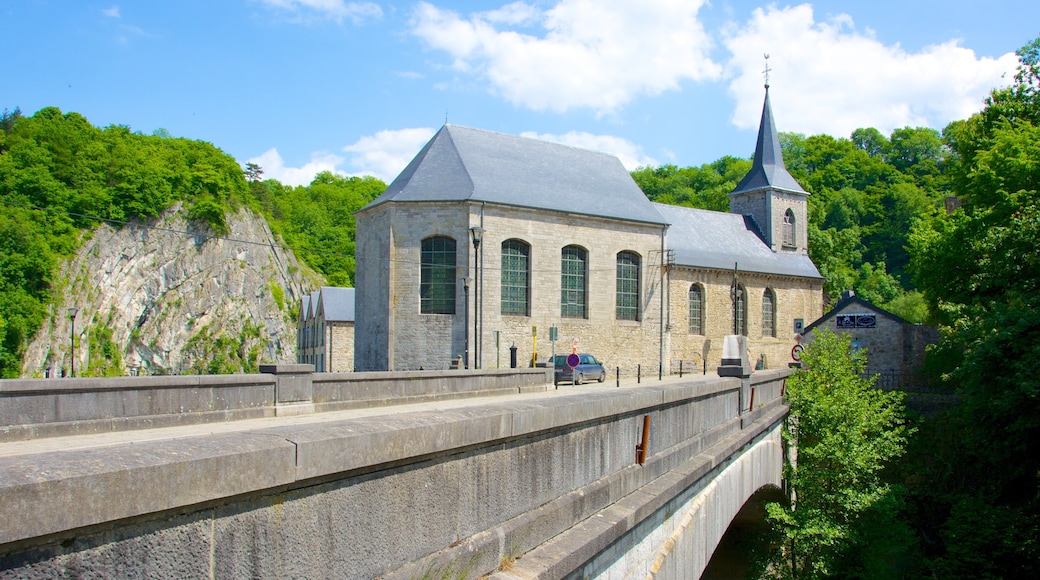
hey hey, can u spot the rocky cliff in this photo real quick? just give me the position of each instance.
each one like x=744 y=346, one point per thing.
x=165 y=297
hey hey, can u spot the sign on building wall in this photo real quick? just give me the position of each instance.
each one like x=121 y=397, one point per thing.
x=856 y=320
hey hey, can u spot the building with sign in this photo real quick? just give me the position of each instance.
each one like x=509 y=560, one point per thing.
x=485 y=241
x=895 y=347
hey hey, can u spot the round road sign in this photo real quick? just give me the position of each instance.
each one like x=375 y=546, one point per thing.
x=796 y=352
x=573 y=360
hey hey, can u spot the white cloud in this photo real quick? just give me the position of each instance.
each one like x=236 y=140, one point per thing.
x=828 y=77
x=337 y=10
x=630 y=154
x=274 y=167
x=599 y=54
x=386 y=153
x=112 y=12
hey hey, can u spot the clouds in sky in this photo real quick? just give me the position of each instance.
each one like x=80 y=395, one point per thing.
x=382 y=155
x=830 y=78
x=594 y=54
x=598 y=56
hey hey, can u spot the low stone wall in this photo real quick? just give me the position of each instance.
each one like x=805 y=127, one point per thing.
x=34 y=408
x=447 y=492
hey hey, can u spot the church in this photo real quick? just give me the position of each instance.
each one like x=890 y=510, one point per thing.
x=491 y=246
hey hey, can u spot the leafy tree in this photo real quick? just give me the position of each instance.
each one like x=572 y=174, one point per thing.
x=842 y=517
x=317 y=220
x=976 y=497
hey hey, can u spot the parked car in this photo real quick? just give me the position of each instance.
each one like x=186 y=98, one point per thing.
x=588 y=369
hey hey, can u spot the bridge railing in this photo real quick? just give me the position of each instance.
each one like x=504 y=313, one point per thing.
x=35 y=408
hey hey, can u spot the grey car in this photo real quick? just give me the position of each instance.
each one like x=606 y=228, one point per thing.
x=588 y=369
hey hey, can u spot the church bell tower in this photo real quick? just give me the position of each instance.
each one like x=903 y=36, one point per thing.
x=770 y=196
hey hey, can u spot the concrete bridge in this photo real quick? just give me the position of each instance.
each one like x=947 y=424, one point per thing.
x=436 y=474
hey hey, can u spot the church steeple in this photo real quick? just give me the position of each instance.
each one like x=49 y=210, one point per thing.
x=769 y=194
x=767 y=168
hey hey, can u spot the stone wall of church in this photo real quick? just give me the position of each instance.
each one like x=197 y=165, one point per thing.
x=796 y=298
x=433 y=341
x=615 y=342
x=781 y=202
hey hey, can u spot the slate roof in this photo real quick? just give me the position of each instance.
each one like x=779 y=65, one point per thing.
x=767 y=167
x=711 y=239
x=337 y=303
x=464 y=164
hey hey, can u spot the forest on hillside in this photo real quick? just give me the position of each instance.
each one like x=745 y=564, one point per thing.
x=60 y=177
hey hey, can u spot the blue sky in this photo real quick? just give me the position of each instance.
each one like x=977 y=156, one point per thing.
x=301 y=86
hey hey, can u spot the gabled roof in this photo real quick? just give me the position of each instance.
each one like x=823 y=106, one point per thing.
x=710 y=239
x=848 y=299
x=767 y=167
x=336 y=303
x=464 y=164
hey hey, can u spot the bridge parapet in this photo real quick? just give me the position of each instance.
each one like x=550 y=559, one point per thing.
x=460 y=485
x=35 y=408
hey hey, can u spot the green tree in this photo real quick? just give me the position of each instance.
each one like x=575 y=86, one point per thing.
x=842 y=517
x=976 y=492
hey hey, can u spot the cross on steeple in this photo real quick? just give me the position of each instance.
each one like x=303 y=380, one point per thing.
x=766 y=71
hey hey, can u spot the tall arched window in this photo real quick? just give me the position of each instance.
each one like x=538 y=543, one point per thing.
x=740 y=311
x=516 y=268
x=788 y=235
x=769 y=313
x=696 y=309
x=437 y=276
x=573 y=278
x=627 y=286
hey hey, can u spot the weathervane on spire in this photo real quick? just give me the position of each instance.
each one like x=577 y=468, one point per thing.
x=766 y=72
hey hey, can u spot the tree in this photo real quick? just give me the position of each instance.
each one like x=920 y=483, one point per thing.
x=842 y=517
x=977 y=494
x=253 y=172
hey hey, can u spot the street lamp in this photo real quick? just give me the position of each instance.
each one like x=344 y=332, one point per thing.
x=73 y=311
x=736 y=294
x=465 y=322
x=478 y=235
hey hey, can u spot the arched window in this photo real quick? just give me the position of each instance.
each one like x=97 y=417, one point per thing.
x=516 y=269
x=627 y=286
x=788 y=231
x=573 y=279
x=437 y=276
x=696 y=309
x=740 y=311
x=769 y=313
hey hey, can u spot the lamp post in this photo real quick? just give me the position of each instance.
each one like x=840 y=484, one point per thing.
x=465 y=323
x=736 y=294
x=73 y=311
x=478 y=235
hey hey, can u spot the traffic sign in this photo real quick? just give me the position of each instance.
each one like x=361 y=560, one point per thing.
x=573 y=360
x=796 y=352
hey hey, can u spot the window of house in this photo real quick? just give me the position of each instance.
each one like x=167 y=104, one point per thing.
x=516 y=270
x=627 y=286
x=696 y=309
x=437 y=276
x=573 y=279
x=788 y=229
x=769 y=313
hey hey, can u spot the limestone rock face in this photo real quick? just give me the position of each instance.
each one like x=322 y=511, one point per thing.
x=165 y=290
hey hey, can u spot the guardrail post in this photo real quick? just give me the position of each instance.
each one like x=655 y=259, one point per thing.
x=294 y=388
